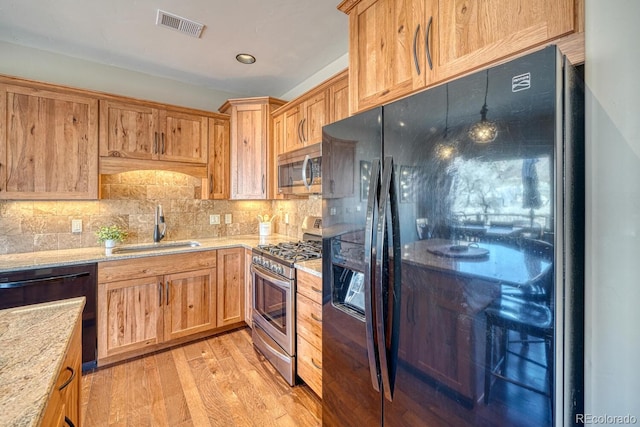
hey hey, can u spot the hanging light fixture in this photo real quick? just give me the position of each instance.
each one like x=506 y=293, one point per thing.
x=484 y=131
x=446 y=149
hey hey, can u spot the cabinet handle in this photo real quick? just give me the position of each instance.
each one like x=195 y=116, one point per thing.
x=67 y=382
x=415 y=49
x=68 y=422
x=263 y=178
x=313 y=362
x=314 y=289
x=426 y=42
x=162 y=137
x=155 y=143
x=211 y=184
x=168 y=292
x=316 y=318
x=304 y=138
x=160 y=294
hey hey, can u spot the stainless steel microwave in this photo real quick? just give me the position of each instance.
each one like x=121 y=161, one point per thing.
x=300 y=171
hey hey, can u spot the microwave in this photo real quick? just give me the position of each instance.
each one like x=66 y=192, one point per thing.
x=300 y=171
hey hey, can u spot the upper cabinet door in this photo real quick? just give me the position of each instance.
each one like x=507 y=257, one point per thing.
x=471 y=34
x=249 y=153
x=218 y=184
x=48 y=144
x=386 y=51
x=293 y=128
x=315 y=116
x=183 y=137
x=128 y=131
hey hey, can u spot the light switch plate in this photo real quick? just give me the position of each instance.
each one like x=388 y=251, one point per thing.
x=76 y=226
x=227 y=218
x=214 y=219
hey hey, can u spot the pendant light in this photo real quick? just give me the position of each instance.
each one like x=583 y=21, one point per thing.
x=484 y=131
x=446 y=149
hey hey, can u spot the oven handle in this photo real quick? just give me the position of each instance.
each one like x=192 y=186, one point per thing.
x=266 y=274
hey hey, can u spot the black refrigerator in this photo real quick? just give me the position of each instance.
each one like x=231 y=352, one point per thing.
x=453 y=253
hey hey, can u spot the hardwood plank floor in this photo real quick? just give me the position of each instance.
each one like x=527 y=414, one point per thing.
x=218 y=381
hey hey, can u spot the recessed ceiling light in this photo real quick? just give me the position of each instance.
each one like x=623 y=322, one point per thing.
x=246 y=58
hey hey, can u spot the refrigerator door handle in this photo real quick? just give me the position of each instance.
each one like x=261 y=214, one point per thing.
x=386 y=294
x=372 y=351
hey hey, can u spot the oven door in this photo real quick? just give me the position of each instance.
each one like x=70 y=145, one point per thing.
x=274 y=307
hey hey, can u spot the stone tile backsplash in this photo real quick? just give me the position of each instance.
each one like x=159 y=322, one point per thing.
x=129 y=199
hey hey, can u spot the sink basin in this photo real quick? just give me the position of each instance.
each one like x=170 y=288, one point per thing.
x=152 y=247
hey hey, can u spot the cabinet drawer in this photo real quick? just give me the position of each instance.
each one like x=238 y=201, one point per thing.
x=310 y=365
x=156 y=265
x=309 y=286
x=309 y=320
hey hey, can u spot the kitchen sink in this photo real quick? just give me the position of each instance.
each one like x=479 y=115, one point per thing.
x=151 y=247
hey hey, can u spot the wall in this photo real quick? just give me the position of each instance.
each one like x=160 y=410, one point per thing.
x=35 y=64
x=612 y=343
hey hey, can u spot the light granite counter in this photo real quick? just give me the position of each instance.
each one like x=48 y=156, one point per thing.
x=312 y=267
x=45 y=259
x=22 y=261
x=33 y=343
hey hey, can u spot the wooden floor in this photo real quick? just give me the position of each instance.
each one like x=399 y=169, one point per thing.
x=220 y=381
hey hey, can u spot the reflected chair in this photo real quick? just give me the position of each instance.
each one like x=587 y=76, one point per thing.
x=527 y=312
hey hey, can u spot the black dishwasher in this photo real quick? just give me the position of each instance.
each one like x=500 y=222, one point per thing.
x=24 y=287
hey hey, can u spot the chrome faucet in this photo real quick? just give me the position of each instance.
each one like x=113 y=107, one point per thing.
x=157 y=235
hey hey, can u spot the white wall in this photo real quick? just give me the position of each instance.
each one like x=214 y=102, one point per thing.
x=35 y=64
x=612 y=371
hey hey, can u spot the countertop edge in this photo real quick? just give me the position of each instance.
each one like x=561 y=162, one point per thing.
x=30 y=412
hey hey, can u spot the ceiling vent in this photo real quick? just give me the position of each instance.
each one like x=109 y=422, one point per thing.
x=178 y=23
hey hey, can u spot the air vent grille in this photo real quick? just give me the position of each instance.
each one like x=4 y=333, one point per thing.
x=178 y=23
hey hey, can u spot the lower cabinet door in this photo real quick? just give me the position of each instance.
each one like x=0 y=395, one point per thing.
x=130 y=313
x=190 y=303
x=310 y=365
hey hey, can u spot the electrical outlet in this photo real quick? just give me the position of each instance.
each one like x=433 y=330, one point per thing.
x=76 y=226
x=214 y=219
x=227 y=218
x=286 y=218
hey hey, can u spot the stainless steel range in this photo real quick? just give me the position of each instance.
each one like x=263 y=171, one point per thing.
x=274 y=290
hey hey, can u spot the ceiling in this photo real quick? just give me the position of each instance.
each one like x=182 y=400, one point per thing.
x=291 y=39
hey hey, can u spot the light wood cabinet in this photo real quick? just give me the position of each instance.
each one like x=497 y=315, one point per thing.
x=400 y=46
x=190 y=303
x=309 y=329
x=48 y=143
x=339 y=97
x=387 y=50
x=304 y=120
x=230 y=286
x=218 y=165
x=134 y=135
x=145 y=304
x=252 y=153
x=63 y=408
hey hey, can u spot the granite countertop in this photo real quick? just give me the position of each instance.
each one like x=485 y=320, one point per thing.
x=22 y=261
x=33 y=343
x=312 y=267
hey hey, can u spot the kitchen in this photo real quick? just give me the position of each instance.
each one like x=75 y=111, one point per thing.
x=611 y=245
